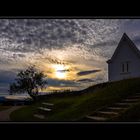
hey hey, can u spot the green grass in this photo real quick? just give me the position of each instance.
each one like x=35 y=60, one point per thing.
x=74 y=107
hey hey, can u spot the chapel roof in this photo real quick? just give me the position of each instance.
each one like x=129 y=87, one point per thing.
x=129 y=41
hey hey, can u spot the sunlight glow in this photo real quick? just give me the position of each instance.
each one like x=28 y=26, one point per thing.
x=60 y=71
x=60 y=75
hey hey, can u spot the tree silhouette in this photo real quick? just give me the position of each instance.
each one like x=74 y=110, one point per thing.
x=29 y=81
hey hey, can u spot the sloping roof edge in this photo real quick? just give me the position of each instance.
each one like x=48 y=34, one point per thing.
x=132 y=45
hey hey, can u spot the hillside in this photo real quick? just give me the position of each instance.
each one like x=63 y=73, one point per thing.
x=75 y=106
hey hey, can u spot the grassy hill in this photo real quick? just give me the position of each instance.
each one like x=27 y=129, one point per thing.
x=74 y=106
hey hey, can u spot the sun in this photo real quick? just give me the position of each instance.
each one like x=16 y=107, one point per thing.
x=60 y=75
x=60 y=71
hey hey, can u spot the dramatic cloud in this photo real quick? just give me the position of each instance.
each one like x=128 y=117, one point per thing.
x=63 y=70
x=87 y=72
x=86 y=80
x=79 y=44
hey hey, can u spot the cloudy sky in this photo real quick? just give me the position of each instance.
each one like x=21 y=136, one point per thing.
x=71 y=52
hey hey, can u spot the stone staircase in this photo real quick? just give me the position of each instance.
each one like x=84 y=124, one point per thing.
x=109 y=112
x=43 y=110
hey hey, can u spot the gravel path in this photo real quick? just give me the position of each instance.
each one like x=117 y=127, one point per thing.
x=5 y=114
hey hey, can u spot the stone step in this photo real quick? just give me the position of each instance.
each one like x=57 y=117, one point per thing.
x=49 y=104
x=131 y=100
x=108 y=112
x=96 y=118
x=123 y=104
x=117 y=108
x=39 y=116
x=136 y=96
x=44 y=109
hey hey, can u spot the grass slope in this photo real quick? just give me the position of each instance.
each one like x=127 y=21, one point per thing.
x=74 y=107
x=4 y=107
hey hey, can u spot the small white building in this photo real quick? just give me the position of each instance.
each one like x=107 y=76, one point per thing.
x=125 y=62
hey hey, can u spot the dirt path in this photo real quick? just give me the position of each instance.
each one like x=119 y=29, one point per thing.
x=5 y=114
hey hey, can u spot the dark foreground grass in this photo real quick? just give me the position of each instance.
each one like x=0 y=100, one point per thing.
x=2 y=107
x=76 y=107
x=130 y=115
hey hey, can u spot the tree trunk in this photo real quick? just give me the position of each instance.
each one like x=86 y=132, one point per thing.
x=32 y=96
